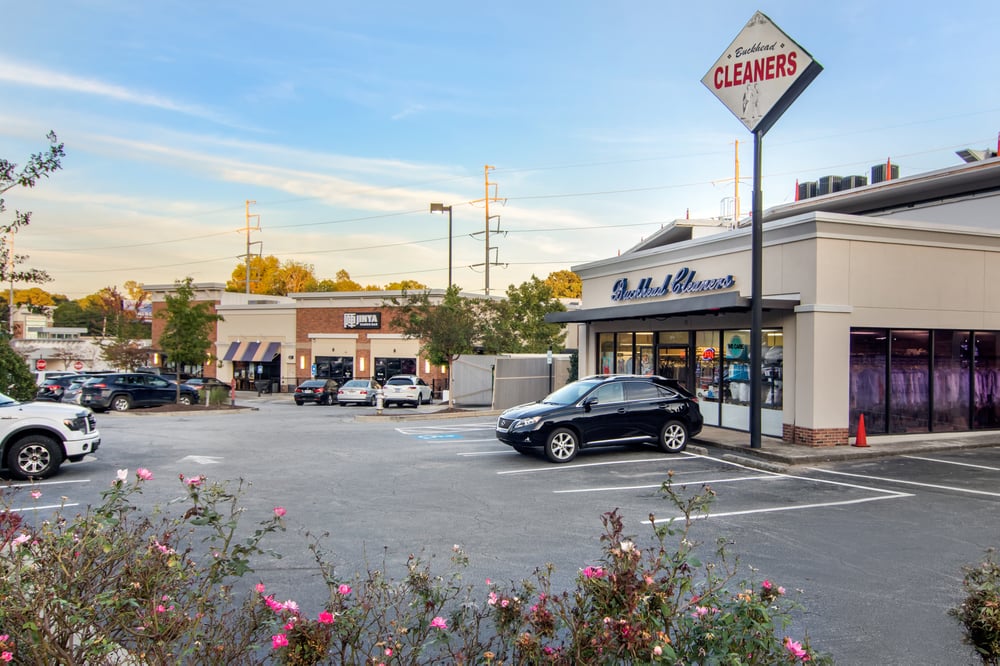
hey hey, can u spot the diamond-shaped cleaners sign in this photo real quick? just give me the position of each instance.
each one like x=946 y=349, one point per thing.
x=761 y=73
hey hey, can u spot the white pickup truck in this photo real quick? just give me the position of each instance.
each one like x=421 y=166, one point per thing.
x=36 y=437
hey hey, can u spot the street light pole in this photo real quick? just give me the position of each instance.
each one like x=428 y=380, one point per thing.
x=440 y=208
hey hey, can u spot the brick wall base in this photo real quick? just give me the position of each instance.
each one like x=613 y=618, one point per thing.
x=792 y=434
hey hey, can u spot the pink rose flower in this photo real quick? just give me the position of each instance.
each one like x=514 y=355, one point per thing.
x=35 y=494
x=766 y=585
x=796 y=649
x=279 y=641
x=279 y=511
x=325 y=617
x=144 y=474
x=194 y=481
x=260 y=588
x=439 y=623
x=344 y=589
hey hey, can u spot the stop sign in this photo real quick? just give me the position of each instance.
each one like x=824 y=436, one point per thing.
x=78 y=365
x=40 y=364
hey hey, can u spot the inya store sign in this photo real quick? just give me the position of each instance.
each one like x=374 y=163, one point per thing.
x=682 y=283
x=761 y=73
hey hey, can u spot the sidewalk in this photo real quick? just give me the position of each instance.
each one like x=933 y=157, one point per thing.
x=773 y=450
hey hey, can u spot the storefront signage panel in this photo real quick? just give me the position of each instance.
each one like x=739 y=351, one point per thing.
x=369 y=320
x=761 y=73
x=683 y=282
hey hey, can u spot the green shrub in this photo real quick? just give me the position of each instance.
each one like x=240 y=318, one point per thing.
x=114 y=585
x=979 y=612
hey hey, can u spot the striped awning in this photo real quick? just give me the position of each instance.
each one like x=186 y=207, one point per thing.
x=252 y=352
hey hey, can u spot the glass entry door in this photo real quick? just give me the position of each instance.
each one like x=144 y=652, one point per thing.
x=672 y=363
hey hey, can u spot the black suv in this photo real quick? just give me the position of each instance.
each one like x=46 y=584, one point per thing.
x=122 y=391
x=602 y=410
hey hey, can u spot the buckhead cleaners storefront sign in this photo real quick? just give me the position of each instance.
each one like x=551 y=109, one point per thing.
x=761 y=74
x=682 y=283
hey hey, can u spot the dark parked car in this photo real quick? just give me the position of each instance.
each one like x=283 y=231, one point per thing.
x=208 y=383
x=603 y=410
x=52 y=388
x=320 y=391
x=125 y=390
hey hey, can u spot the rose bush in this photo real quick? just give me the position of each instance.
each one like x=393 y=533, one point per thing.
x=979 y=612
x=118 y=585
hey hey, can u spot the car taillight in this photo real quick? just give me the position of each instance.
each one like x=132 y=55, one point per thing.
x=99 y=386
x=364 y=391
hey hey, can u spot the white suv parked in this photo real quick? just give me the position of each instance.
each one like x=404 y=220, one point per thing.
x=406 y=390
x=36 y=437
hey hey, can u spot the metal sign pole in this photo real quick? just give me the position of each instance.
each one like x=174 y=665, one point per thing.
x=757 y=293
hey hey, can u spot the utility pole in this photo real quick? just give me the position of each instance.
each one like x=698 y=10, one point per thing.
x=487 y=199
x=736 y=186
x=248 y=230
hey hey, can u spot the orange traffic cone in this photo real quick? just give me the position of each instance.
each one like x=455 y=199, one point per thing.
x=861 y=439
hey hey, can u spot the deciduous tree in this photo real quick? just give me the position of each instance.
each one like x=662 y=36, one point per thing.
x=565 y=284
x=517 y=324
x=186 y=337
x=39 y=165
x=446 y=330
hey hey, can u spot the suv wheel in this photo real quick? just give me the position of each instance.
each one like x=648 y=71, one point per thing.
x=673 y=437
x=34 y=457
x=121 y=403
x=562 y=445
x=184 y=399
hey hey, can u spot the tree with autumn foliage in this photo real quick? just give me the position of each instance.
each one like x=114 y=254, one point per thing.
x=40 y=165
x=565 y=284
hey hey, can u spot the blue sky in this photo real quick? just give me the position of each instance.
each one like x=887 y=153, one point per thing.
x=345 y=120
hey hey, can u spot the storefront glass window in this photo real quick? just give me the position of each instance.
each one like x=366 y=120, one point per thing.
x=909 y=380
x=951 y=380
x=624 y=361
x=644 y=352
x=869 y=356
x=987 y=378
x=340 y=368
x=736 y=379
x=606 y=347
x=707 y=367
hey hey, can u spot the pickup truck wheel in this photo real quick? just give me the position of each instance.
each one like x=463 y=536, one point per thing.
x=34 y=457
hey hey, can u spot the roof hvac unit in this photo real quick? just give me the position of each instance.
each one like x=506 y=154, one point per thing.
x=878 y=173
x=807 y=190
x=850 y=182
x=829 y=184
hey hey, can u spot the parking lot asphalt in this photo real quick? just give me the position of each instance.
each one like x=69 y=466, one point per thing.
x=773 y=453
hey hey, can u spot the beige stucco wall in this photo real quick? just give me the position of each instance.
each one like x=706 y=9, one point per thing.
x=252 y=322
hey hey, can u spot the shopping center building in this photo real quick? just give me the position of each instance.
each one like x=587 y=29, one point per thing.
x=881 y=300
x=279 y=341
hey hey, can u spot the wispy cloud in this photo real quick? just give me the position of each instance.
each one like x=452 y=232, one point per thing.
x=39 y=77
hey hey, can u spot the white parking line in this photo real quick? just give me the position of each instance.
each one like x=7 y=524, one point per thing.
x=420 y=430
x=25 y=509
x=35 y=484
x=559 y=468
x=768 y=477
x=909 y=483
x=774 y=509
x=953 y=462
x=484 y=453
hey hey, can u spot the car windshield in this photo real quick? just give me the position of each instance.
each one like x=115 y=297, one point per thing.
x=6 y=400
x=570 y=393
